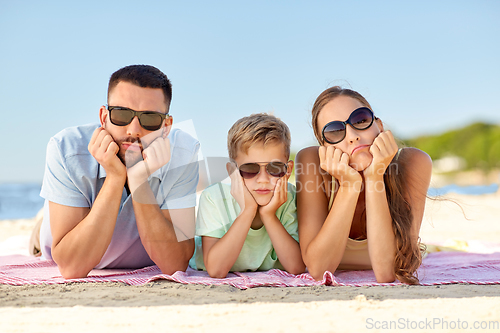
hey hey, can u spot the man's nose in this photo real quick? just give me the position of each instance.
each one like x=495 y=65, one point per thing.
x=134 y=128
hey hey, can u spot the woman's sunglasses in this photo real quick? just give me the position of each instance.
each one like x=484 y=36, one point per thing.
x=149 y=120
x=360 y=119
x=275 y=169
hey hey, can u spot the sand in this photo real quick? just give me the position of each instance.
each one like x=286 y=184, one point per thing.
x=164 y=305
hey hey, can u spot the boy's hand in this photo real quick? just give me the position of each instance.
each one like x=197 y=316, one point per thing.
x=239 y=190
x=104 y=149
x=336 y=163
x=280 y=196
x=383 y=149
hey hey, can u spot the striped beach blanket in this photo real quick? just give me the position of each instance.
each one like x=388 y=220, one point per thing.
x=437 y=268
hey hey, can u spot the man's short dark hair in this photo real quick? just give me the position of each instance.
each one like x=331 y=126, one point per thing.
x=144 y=76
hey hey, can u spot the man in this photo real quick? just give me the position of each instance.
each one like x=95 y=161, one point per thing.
x=122 y=194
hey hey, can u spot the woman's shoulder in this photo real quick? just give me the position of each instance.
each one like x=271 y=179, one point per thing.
x=308 y=154
x=416 y=159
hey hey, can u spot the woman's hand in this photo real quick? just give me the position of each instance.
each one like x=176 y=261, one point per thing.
x=383 y=150
x=336 y=163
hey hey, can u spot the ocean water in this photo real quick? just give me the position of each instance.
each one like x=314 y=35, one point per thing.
x=18 y=201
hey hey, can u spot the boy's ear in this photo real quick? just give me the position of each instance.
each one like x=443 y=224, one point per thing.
x=289 y=168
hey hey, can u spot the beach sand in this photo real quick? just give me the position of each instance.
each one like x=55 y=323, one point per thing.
x=164 y=305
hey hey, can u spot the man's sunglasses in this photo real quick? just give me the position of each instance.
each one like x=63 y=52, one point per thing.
x=360 y=119
x=149 y=120
x=275 y=169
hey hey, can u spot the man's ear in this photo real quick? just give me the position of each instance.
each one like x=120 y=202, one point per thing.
x=103 y=115
x=168 y=126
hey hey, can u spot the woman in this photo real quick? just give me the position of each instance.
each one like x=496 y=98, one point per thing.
x=360 y=200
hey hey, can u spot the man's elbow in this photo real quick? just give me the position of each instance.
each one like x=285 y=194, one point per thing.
x=68 y=272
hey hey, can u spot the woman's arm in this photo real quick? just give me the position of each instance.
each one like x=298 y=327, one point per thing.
x=379 y=231
x=419 y=171
x=323 y=235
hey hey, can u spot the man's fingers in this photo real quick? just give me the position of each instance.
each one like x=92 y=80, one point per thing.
x=94 y=136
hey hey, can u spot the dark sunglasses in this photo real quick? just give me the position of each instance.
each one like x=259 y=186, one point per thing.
x=149 y=120
x=360 y=119
x=275 y=169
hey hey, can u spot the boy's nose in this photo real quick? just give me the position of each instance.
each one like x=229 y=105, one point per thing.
x=263 y=177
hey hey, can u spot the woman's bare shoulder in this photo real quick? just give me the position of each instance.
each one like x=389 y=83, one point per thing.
x=308 y=154
x=416 y=159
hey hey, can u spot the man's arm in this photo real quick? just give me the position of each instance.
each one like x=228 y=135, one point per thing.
x=166 y=234
x=81 y=235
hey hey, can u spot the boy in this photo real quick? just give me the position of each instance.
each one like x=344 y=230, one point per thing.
x=251 y=224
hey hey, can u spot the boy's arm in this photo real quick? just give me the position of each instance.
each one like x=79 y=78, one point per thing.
x=286 y=247
x=220 y=254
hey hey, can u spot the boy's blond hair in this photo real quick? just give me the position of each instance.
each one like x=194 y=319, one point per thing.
x=257 y=128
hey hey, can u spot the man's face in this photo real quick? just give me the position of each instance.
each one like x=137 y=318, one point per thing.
x=132 y=139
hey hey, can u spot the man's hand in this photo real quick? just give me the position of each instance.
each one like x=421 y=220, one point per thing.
x=104 y=149
x=280 y=196
x=336 y=163
x=156 y=155
x=383 y=149
x=239 y=190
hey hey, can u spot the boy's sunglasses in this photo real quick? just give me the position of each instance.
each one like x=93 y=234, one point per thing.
x=275 y=169
x=360 y=119
x=149 y=120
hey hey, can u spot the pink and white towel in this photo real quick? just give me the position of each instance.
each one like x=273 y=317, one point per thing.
x=437 y=268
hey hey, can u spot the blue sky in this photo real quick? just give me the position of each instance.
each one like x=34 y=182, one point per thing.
x=425 y=66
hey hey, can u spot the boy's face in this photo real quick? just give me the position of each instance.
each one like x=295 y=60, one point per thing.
x=262 y=185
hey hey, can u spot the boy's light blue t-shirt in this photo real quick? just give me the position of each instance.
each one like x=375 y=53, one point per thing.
x=216 y=213
x=74 y=178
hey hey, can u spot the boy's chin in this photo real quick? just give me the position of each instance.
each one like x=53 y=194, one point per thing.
x=262 y=201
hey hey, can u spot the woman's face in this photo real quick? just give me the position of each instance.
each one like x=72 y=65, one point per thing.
x=356 y=143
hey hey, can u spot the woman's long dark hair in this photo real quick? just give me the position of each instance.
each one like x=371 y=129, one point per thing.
x=408 y=247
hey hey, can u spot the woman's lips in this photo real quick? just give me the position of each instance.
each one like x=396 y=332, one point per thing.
x=358 y=148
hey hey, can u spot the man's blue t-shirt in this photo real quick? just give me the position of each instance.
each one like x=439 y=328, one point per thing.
x=74 y=178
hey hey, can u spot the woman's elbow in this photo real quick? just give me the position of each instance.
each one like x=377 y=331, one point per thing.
x=318 y=271
x=385 y=277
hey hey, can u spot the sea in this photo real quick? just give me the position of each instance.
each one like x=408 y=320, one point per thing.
x=22 y=201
